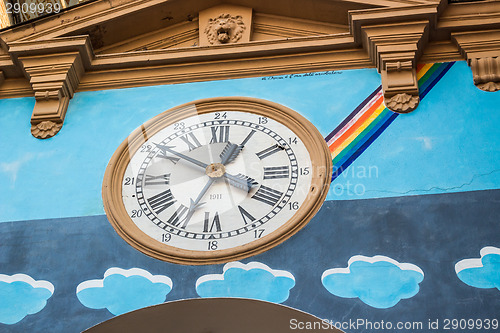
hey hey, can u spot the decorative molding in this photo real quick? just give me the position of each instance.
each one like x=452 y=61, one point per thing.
x=224 y=69
x=9 y=68
x=482 y=51
x=2 y=77
x=54 y=69
x=477 y=15
x=440 y=51
x=18 y=87
x=394 y=49
x=266 y=26
x=285 y=39
x=258 y=49
x=180 y=35
x=362 y=18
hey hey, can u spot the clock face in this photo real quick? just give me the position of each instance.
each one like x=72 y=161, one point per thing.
x=216 y=180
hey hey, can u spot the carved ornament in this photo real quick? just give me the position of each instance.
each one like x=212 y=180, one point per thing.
x=225 y=29
x=45 y=129
x=482 y=51
x=402 y=103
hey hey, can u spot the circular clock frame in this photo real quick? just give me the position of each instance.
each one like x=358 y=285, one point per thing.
x=128 y=230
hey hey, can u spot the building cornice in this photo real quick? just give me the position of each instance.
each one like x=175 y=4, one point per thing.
x=392 y=39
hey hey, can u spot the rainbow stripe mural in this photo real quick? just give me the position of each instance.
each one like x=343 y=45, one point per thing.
x=365 y=124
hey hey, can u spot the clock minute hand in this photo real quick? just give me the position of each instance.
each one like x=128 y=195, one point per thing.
x=195 y=204
x=231 y=150
x=187 y=158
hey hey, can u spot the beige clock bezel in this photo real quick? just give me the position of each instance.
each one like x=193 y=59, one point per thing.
x=127 y=229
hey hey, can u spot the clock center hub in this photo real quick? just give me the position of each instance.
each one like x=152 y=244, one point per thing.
x=215 y=170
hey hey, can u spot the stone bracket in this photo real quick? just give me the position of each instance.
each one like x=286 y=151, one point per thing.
x=54 y=69
x=482 y=51
x=394 y=49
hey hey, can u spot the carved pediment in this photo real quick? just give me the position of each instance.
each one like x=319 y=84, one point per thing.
x=225 y=24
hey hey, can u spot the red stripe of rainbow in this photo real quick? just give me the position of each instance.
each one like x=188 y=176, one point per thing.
x=364 y=125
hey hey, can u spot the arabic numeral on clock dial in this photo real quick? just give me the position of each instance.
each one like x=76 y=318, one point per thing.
x=136 y=213
x=129 y=181
x=304 y=171
x=293 y=205
x=258 y=233
x=179 y=126
x=220 y=115
x=165 y=238
x=213 y=245
x=146 y=148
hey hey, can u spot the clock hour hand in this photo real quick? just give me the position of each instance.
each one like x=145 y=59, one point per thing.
x=184 y=157
x=241 y=181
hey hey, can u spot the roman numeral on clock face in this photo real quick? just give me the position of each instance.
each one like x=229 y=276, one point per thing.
x=163 y=154
x=219 y=134
x=269 y=151
x=276 y=172
x=161 y=201
x=215 y=223
x=179 y=216
x=191 y=141
x=267 y=195
x=157 y=180
x=246 y=215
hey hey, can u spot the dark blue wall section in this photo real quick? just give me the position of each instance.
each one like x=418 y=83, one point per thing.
x=433 y=232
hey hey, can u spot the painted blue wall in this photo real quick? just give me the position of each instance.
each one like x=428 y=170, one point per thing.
x=422 y=198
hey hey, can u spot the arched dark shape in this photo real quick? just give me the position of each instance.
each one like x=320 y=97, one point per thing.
x=214 y=315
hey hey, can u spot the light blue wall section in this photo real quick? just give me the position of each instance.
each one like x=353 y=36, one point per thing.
x=451 y=143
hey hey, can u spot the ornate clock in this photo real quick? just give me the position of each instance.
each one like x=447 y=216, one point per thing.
x=216 y=180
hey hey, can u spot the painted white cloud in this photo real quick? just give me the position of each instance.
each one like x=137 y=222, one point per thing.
x=379 y=281
x=481 y=272
x=253 y=280
x=21 y=295
x=124 y=290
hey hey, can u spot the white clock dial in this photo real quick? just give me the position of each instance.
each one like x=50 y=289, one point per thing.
x=216 y=180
